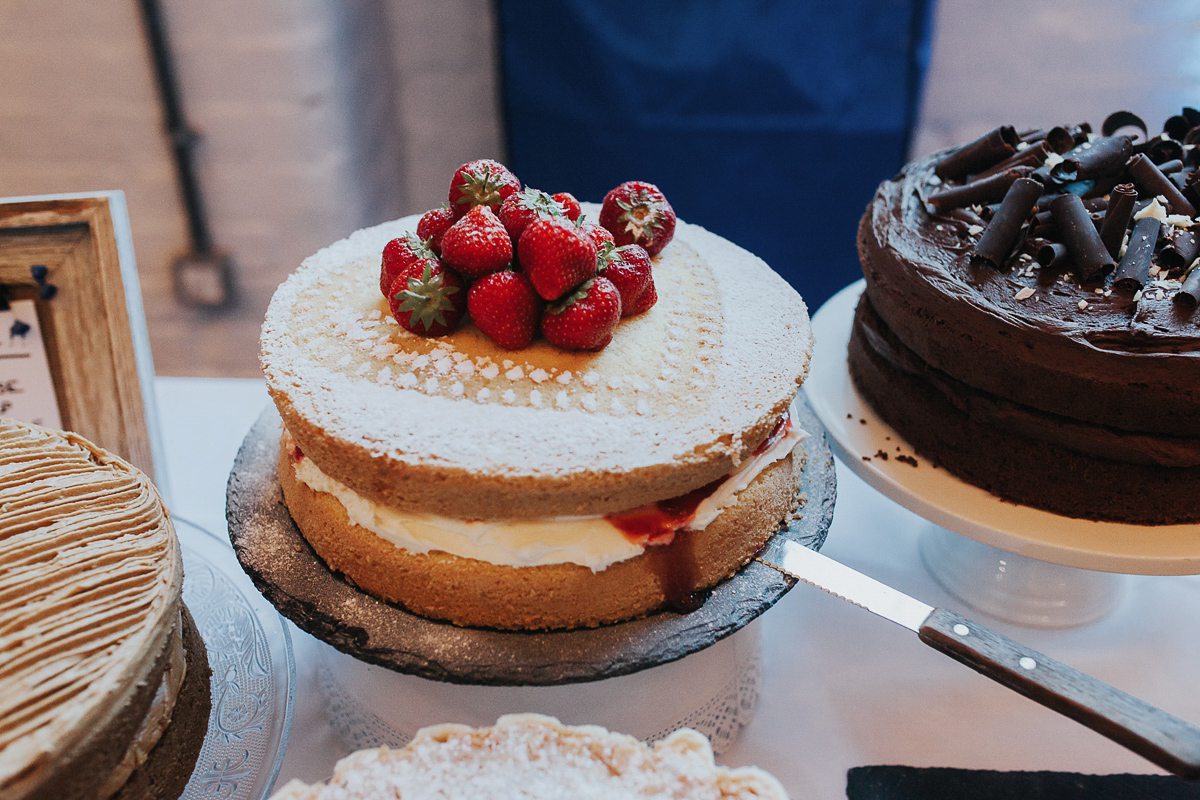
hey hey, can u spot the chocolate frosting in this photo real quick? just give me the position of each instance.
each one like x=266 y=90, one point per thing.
x=1131 y=362
x=1098 y=441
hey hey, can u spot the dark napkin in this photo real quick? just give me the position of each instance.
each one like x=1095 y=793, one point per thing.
x=943 y=783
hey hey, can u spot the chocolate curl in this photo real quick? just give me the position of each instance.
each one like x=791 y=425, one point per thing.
x=1057 y=139
x=1060 y=139
x=1001 y=234
x=1191 y=185
x=1135 y=265
x=980 y=154
x=1181 y=250
x=978 y=192
x=1160 y=149
x=1079 y=134
x=1180 y=179
x=1117 y=217
x=1178 y=126
x=1079 y=234
x=1170 y=167
x=1192 y=138
x=1103 y=156
x=1189 y=294
x=1123 y=119
x=1155 y=183
x=1032 y=156
x=1051 y=254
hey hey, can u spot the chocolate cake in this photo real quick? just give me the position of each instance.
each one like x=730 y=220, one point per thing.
x=1029 y=320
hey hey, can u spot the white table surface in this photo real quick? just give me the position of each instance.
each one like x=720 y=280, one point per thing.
x=841 y=687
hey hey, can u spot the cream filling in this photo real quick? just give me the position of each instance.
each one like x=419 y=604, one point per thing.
x=156 y=721
x=590 y=541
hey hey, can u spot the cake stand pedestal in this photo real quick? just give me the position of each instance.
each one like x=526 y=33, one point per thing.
x=388 y=672
x=1012 y=562
x=1019 y=589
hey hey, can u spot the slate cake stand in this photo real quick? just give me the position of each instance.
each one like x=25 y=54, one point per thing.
x=297 y=582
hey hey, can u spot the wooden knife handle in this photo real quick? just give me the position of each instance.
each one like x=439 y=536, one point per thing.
x=1168 y=741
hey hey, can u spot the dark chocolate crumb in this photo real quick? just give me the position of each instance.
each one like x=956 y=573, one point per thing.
x=866 y=458
x=907 y=460
x=881 y=454
x=862 y=421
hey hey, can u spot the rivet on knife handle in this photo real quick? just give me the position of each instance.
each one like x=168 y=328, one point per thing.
x=1166 y=740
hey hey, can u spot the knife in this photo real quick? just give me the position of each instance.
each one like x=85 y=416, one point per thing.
x=1166 y=740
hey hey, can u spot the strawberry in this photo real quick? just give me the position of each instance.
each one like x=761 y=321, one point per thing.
x=405 y=253
x=570 y=205
x=428 y=299
x=434 y=224
x=599 y=235
x=584 y=319
x=638 y=213
x=477 y=244
x=646 y=301
x=523 y=207
x=628 y=267
x=482 y=182
x=556 y=256
x=506 y=308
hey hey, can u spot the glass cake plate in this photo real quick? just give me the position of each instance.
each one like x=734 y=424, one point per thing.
x=1012 y=561
x=253 y=673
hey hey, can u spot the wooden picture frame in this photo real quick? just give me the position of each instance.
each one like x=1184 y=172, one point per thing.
x=93 y=327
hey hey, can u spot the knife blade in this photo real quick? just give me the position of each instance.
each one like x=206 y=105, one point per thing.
x=1166 y=740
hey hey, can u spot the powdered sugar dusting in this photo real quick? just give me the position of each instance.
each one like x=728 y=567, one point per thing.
x=359 y=330
x=530 y=755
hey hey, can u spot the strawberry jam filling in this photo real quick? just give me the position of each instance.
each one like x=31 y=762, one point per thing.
x=656 y=523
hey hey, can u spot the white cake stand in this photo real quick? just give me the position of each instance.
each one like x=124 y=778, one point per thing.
x=1011 y=561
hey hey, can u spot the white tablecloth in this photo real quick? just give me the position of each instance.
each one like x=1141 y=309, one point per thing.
x=841 y=687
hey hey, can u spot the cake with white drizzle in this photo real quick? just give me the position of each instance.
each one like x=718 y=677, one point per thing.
x=1029 y=320
x=530 y=755
x=104 y=692
x=539 y=488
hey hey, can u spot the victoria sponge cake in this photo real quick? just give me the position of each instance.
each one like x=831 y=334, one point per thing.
x=547 y=485
x=104 y=679
x=535 y=756
x=1029 y=320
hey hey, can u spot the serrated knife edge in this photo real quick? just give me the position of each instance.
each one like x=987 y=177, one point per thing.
x=799 y=562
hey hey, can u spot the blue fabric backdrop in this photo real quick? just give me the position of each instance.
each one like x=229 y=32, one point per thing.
x=770 y=123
